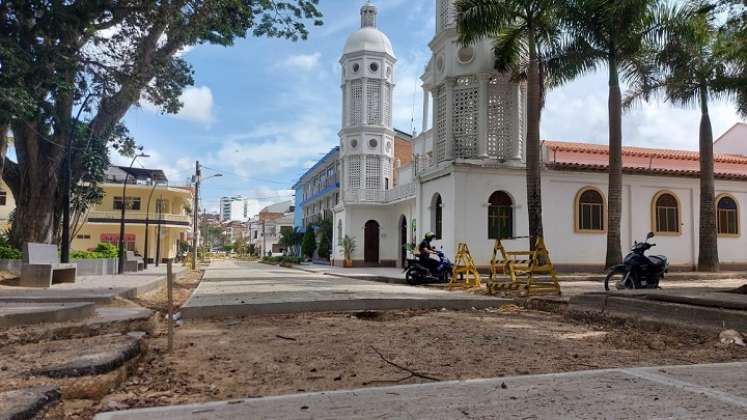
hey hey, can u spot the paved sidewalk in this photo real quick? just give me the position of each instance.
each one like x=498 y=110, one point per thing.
x=678 y=392
x=100 y=289
x=235 y=289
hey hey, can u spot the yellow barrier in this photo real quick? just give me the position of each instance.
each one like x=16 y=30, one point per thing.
x=465 y=272
x=521 y=267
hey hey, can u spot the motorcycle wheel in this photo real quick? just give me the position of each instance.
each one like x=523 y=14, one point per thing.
x=619 y=280
x=411 y=278
x=445 y=276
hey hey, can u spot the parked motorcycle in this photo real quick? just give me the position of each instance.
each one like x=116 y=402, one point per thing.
x=417 y=273
x=638 y=270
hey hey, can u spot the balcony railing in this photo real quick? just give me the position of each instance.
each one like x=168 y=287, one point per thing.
x=381 y=196
x=136 y=216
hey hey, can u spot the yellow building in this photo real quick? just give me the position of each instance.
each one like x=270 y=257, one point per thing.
x=7 y=205
x=148 y=197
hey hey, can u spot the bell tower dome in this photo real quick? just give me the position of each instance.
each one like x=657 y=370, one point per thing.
x=367 y=137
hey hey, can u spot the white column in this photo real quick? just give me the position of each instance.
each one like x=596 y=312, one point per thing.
x=482 y=149
x=364 y=104
x=426 y=107
x=515 y=90
x=450 y=83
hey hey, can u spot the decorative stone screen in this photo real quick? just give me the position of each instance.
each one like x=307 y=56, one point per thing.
x=356 y=96
x=465 y=118
x=440 y=124
x=354 y=172
x=373 y=99
x=499 y=121
x=373 y=172
x=444 y=15
x=387 y=105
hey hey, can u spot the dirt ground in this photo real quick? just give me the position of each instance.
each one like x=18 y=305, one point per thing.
x=273 y=355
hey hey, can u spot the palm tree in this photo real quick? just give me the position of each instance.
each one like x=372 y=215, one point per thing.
x=615 y=34
x=524 y=32
x=694 y=67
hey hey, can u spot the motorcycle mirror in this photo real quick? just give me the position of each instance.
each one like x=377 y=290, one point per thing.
x=650 y=235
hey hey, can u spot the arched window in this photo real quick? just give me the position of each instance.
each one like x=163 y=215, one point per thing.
x=438 y=215
x=590 y=209
x=666 y=213
x=500 y=216
x=728 y=216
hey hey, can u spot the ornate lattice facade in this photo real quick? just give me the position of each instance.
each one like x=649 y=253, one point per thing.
x=441 y=128
x=356 y=97
x=444 y=14
x=499 y=118
x=354 y=172
x=466 y=118
x=373 y=101
x=387 y=105
x=373 y=172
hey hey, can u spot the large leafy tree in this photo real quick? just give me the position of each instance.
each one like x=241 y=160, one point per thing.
x=58 y=57
x=616 y=35
x=695 y=66
x=525 y=34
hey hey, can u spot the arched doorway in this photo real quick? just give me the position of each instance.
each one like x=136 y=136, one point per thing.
x=402 y=240
x=371 y=242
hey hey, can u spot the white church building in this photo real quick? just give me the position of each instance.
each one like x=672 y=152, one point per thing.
x=466 y=179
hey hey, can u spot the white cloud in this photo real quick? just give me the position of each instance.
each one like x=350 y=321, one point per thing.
x=197 y=105
x=302 y=62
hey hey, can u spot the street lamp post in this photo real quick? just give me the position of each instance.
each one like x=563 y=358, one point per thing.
x=120 y=265
x=196 y=211
x=147 y=223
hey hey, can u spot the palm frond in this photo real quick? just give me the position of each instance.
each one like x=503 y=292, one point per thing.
x=478 y=19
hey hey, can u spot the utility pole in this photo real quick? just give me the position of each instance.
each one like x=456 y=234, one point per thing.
x=195 y=211
x=264 y=240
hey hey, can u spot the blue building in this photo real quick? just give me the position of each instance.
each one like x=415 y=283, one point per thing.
x=317 y=191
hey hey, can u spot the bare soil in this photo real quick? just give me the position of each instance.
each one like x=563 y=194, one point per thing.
x=184 y=285
x=271 y=355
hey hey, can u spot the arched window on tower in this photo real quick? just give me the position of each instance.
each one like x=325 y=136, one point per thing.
x=500 y=216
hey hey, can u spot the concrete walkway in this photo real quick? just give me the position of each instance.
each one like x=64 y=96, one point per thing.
x=99 y=289
x=233 y=289
x=677 y=392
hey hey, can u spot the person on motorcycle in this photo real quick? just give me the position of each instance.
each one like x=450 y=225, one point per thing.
x=426 y=251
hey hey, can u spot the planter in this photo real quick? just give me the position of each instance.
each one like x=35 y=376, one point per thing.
x=348 y=263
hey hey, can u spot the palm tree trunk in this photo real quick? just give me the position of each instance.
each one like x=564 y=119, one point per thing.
x=534 y=170
x=708 y=243
x=614 y=194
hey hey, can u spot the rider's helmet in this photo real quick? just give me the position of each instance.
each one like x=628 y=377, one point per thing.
x=430 y=235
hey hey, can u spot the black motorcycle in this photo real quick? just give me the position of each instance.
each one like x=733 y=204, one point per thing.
x=417 y=273
x=638 y=270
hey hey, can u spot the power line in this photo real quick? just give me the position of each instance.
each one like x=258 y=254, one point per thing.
x=244 y=176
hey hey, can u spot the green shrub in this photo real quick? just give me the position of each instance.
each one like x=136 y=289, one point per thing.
x=7 y=252
x=308 y=245
x=84 y=255
x=107 y=250
x=282 y=260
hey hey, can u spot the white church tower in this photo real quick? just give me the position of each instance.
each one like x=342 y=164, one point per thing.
x=367 y=137
x=478 y=113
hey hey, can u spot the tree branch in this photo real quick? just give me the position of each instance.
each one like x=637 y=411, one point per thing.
x=408 y=370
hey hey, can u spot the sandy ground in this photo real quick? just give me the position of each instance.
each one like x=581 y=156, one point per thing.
x=273 y=355
x=184 y=285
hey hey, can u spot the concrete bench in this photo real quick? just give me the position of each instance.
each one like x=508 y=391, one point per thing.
x=42 y=268
x=133 y=262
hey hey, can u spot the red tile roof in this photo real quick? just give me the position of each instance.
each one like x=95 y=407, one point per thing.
x=640 y=160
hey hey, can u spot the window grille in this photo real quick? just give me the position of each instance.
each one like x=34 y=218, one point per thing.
x=440 y=125
x=354 y=172
x=728 y=216
x=590 y=211
x=373 y=97
x=387 y=105
x=444 y=14
x=356 y=94
x=667 y=214
x=3 y=198
x=373 y=172
x=499 y=123
x=465 y=118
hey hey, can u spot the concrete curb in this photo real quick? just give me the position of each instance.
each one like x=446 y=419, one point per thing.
x=94 y=364
x=227 y=311
x=35 y=313
x=641 y=309
x=28 y=403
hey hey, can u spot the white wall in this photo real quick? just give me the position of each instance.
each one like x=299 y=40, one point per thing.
x=733 y=141
x=465 y=192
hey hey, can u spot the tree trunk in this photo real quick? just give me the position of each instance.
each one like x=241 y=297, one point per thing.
x=534 y=170
x=614 y=194
x=708 y=243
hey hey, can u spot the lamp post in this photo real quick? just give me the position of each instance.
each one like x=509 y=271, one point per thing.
x=120 y=265
x=196 y=211
x=147 y=222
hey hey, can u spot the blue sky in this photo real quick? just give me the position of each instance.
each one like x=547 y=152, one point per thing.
x=262 y=111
